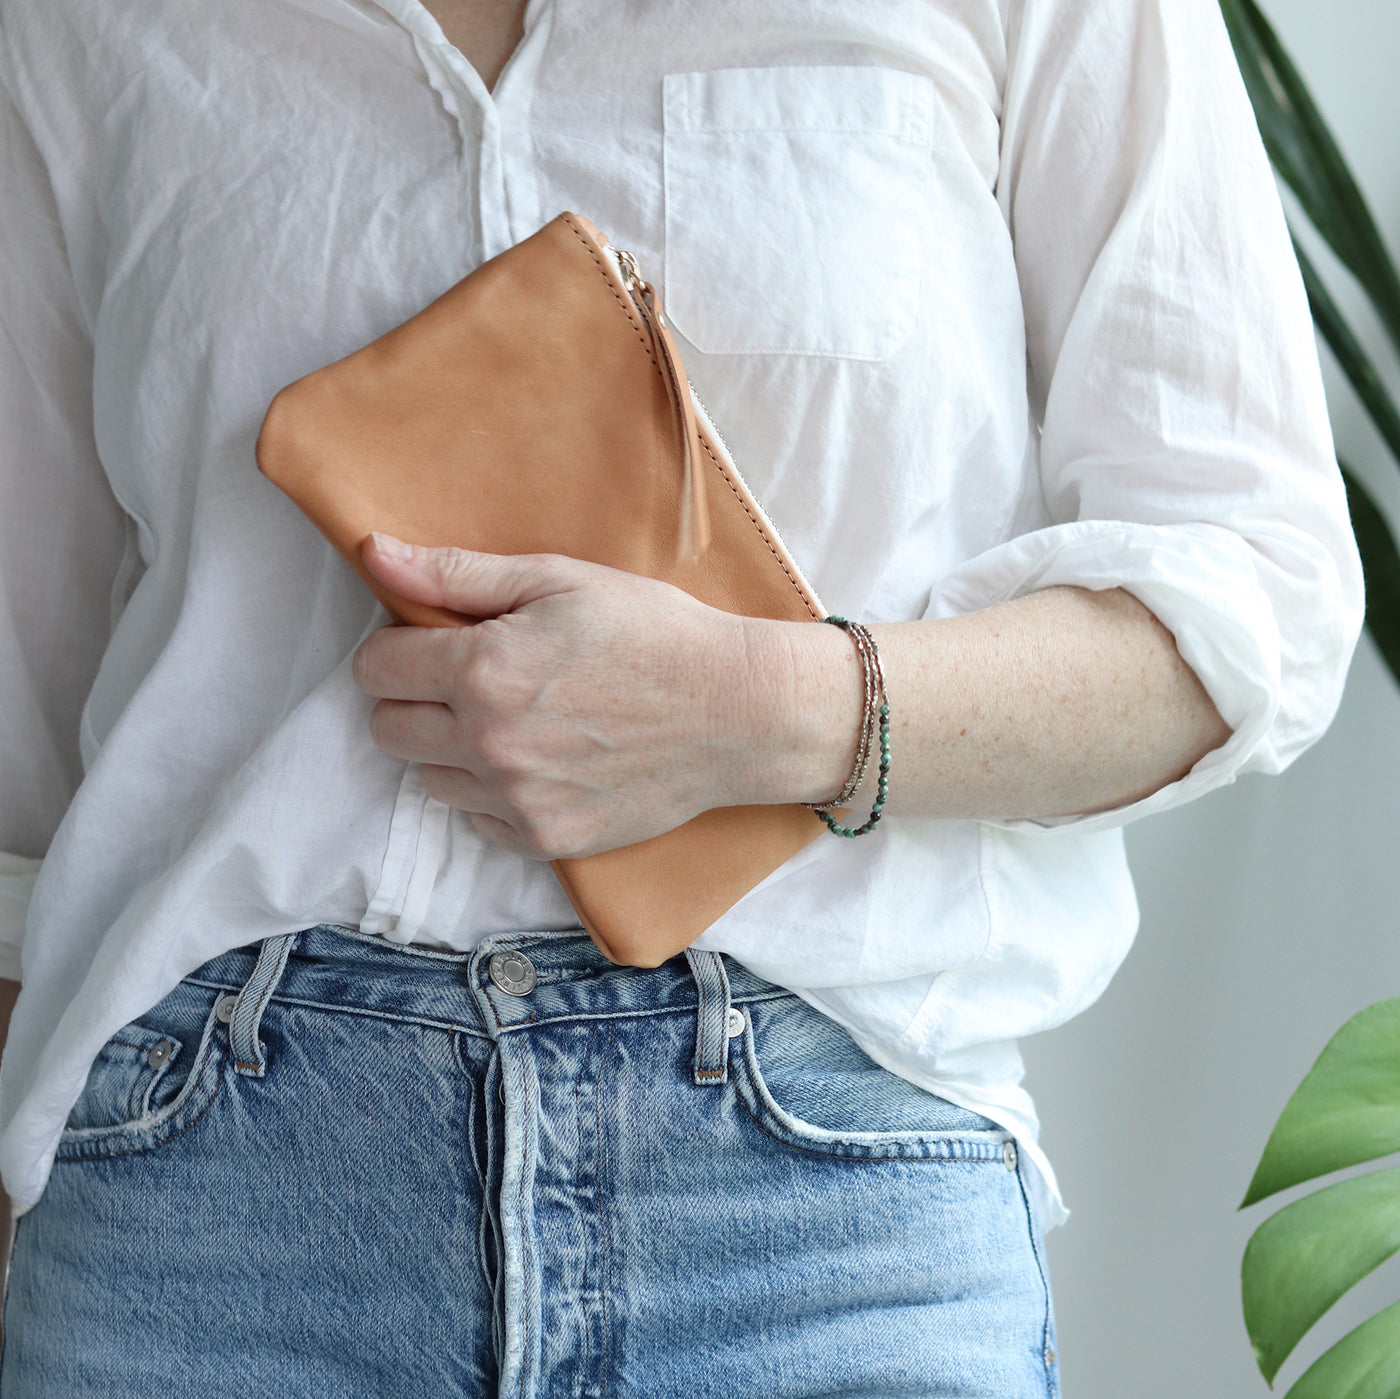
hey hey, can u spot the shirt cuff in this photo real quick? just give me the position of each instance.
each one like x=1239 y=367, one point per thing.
x=1198 y=580
x=17 y=875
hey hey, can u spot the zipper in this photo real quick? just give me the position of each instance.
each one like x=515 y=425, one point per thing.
x=695 y=516
x=644 y=297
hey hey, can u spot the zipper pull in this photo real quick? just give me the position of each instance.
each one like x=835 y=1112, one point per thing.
x=630 y=273
x=695 y=515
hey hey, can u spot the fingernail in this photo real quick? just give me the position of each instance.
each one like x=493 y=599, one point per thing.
x=393 y=548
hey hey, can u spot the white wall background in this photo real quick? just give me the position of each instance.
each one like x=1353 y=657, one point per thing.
x=1268 y=918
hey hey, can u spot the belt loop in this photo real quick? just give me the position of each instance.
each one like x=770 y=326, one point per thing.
x=712 y=1017
x=248 y=1055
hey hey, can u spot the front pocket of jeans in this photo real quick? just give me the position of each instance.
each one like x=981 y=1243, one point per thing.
x=128 y=1070
x=807 y=1084
x=129 y=1105
x=796 y=208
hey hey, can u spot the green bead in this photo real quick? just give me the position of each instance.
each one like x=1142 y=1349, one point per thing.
x=882 y=787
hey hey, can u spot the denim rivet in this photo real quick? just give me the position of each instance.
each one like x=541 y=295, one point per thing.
x=1008 y=1154
x=501 y=1090
x=736 y=1021
x=159 y=1053
x=513 y=972
x=224 y=1010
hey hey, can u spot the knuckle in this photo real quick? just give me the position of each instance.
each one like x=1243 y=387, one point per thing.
x=493 y=690
x=474 y=674
x=552 y=835
x=532 y=845
x=497 y=746
x=553 y=568
x=537 y=836
x=530 y=820
x=453 y=564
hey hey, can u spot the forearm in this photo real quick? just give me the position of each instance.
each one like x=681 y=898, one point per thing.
x=1062 y=702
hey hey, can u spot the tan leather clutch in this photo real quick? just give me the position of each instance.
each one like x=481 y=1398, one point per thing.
x=540 y=406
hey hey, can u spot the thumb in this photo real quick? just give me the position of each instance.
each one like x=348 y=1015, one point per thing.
x=462 y=580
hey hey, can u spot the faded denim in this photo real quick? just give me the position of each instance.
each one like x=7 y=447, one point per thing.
x=376 y=1172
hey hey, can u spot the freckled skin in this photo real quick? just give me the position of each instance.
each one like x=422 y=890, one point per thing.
x=597 y=708
x=1064 y=701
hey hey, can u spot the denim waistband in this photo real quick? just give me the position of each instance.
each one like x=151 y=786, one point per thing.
x=552 y=975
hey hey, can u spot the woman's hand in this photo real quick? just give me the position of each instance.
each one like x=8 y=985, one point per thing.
x=596 y=708
x=591 y=709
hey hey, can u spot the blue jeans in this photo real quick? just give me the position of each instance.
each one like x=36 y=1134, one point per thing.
x=326 y=1166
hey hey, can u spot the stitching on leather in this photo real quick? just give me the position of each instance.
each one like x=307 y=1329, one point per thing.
x=626 y=309
x=763 y=533
x=631 y=320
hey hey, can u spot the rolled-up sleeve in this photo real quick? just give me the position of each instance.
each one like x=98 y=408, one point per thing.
x=1185 y=451
x=62 y=534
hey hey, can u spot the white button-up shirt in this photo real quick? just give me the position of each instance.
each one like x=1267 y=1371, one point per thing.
x=985 y=295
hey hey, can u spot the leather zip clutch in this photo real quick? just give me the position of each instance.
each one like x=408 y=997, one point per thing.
x=540 y=406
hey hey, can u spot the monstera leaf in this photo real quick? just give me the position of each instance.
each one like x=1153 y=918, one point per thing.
x=1308 y=1255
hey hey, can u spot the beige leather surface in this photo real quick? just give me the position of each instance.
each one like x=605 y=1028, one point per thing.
x=528 y=410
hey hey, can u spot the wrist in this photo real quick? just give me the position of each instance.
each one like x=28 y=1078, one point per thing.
x=803 y=697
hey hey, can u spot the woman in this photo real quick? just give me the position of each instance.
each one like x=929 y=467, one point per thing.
x=314 y=1084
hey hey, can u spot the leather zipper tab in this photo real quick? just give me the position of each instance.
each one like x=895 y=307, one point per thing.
x=695 y=514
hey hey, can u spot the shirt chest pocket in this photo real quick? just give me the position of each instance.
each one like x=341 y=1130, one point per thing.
x=797 y=202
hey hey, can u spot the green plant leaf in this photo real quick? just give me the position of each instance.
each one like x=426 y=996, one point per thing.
x=1308 y=158
x=1380 y=559
x=1305 y=1257
x=1355 y=362
x=1363 y=1365
x=1346 y=1111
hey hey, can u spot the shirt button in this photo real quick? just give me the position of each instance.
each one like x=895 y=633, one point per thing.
x=159 y=1053
x=513 y=972
x=1008 y=1154
x=224 y=1010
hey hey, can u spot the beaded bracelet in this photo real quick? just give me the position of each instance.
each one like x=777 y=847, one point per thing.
x=865 y=650
x=873 y=675
x=868 y=724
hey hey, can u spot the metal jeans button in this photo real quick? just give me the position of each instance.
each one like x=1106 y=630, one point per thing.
x=513 y=972
x=159 y=1053
x=224 y=1010
x=1008 y=1154
x=736 y=1021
